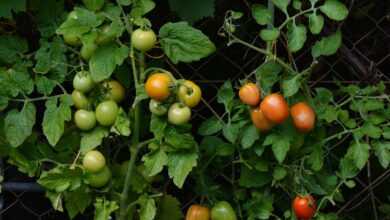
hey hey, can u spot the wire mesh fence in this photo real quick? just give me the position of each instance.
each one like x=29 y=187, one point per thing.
x=364 y=58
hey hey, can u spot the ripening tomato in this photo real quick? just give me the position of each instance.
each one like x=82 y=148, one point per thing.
x=223 y=211
x=250 y=94
x=179 y=114
x=99 y=179
x=198 y=212
x=85 y=120
x=275 y=108
x=106 y=113
x=115 y=90
x=260 y=121
x=304 y=207
x=157 y=86
x=303 y=117
x=143 y=40
x=94 y=161
x=189 y=93
x=80 y=101
x=83 y=81
x=157 y=108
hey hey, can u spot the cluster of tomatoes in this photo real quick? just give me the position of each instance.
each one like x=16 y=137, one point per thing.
x=274 y=110
x=97 y=172
x=105 y=112
x=159 y=87
x=220 y=211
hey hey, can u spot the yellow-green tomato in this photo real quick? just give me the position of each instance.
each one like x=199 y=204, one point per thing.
x=106 y=113
x=179 y=114
x=190 y=93
x=80 y=101
x=157 y=108
x=83 y=81
x=85 y=120
x=94 y=161
x=72 y=40
x=223 y=211
x=87 y=50
x=99 y=179
x=143 y=40
x=115 y=91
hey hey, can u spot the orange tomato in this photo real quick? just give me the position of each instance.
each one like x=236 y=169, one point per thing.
x=260 y=121
x=304 y=207
x=198 y=212
x=157 y=86
x=303 y=117
x=275 y=108
x=249 y=94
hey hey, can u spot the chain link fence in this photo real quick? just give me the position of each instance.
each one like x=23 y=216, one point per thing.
x=364 y=58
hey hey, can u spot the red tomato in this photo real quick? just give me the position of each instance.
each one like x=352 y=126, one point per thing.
x=198 y=212
x=304 y=207
x=260 y=121
x=275 y=108
x=303 y=117
x=249 y=94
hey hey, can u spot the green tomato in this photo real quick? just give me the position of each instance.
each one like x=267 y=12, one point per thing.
x=87 y=50
x=83 y=82
x=157 y=108
x=223 y=211
x=72 y=40
x=106 y=35
x=94 y=161
x=106 y=113
x=115 y=91
x=99 y=179
x=189 y=93
x=143 y=40
x=85 y=120
x=80 y=100
x=179 y=114
x=94 y=5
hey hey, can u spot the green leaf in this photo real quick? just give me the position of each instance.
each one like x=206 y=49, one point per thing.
x=179 y=140
x=180 y=165
x=371 y=130
x=386 y=133
x=193 y=10
x=281 y=4
x=105 y=59
x=249 y=136
x=124 y=2
x=296 y=35
x=55 y=199
x=280 y=145
x=270 y=34
x=11 y=47
x=316 y=23
x=61 y=179
x=104 y=208
x=18 y=125
x=215 y=145
x=122 y=124
x=148 y=208
x=253 y=178
x=141 y=7
x=23 y=162
x=382 y=151
x=79 y=22
x=260 y=206
x=92 y=139
x=9 y=6
x=55 y=116
x=51 y=57
x=157 y=126
x=335 y=10
x=169 y=208
x=327 y=45
x=15 y=81
x=155 y=162
x=49 y=16
x=261 y=14
x=279 y=173
x=316 y=158
x=347 y=168
x=291 y=86
x=211 y=126
x=44 y=85
x=77 y=201
x=225 y=95
x=268 y=74
x=231 y=131
x=183 y=43
x=359 y=153
x=297 y=4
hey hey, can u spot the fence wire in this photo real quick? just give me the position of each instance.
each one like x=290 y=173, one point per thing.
x=364 y=58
